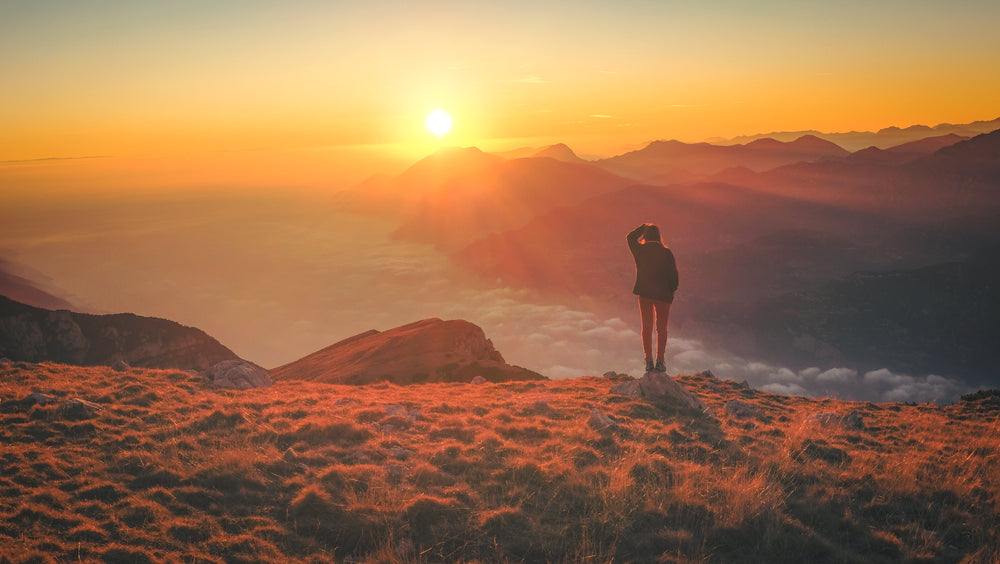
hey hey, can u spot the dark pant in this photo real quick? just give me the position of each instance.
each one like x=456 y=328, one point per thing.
x=659 y=311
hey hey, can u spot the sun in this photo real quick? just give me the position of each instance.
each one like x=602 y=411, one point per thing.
x=438 y=122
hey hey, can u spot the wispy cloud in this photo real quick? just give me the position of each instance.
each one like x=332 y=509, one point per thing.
x=52 y=159
x=601 y=116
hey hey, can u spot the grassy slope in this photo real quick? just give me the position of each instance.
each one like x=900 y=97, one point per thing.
x=172 y=470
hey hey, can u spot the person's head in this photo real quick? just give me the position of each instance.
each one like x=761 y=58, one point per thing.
x=652 y=233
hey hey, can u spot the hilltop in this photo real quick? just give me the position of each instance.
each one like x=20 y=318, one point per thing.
x=430 y=350
x=160 y=466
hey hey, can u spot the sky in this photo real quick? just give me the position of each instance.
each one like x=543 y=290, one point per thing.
x=307 y=80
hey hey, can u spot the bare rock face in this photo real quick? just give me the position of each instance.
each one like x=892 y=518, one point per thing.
x=739 y=409
x=852 y=421
x=657 y=385
x=34 y=335
x=239 y=374
x=600 y=421
x=431 y=350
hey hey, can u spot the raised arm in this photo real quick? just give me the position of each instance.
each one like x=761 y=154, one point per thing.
x=633 y=237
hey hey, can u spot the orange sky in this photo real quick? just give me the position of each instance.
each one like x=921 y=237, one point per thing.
x=314 y=84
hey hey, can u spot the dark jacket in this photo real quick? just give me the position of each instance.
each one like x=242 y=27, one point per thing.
x=655 y=268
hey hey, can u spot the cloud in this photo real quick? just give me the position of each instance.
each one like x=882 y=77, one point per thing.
x=559 y=371
x=601 y=116
x=51 y=159
x=394 y=286
x=841 y=375
x=884 y=376
x=786 y=389
x=339 y=290
x=881 y=385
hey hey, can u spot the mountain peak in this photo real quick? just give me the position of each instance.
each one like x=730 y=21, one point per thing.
x=559 y=152
x=807 y=143
x=911 y=129
x=766 y=143
x=450 y=154
x=813 y=144
x=429 y=350
x=450 y=162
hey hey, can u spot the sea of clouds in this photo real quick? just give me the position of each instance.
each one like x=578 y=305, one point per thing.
x=277 y=280
x=563 y=343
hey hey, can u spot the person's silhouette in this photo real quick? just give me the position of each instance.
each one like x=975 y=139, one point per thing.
x=655 y=283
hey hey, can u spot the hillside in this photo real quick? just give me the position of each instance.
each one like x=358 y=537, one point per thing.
x=20 y=286
x=34 y=334
x=431 y=350
x=665 y=162
x=158 y=466
x=455 y=196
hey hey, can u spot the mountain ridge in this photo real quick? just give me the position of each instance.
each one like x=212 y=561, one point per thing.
x=663 y=162
x=883 y=138
x=22 y=284
x=429 y=350
x=33 y=334
x=459 y=195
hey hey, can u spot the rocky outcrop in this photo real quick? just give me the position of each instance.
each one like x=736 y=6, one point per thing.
x=657 y=385
x=600 y=421
x=239 y=374
x=34 y=335
x=852 y=421
x=431 y=350
x=740 y=409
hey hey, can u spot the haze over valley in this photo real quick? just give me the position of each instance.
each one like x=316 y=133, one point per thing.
x=782 y=245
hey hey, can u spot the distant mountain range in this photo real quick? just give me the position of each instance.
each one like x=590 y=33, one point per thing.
x=751 y=224
x=883 y=138
x=456 y=196
x=666 y=162
x=559 y=152
x=27 y=286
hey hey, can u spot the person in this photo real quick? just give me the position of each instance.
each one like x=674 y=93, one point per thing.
x=656 y=281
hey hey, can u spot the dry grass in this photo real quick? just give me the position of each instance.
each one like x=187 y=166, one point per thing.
x=172 y=470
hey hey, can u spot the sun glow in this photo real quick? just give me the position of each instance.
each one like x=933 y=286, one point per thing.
x=438 y=122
